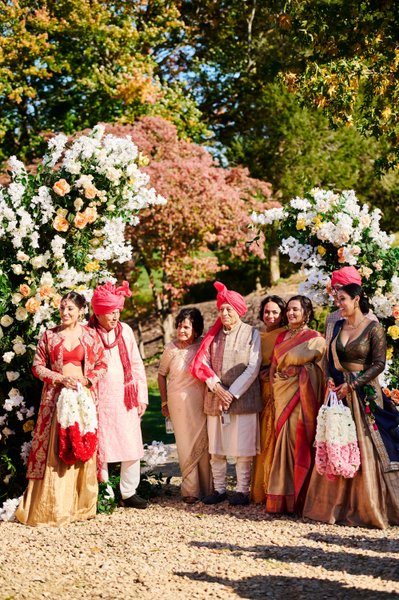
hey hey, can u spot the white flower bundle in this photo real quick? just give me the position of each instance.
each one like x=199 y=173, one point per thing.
x=77 y=407
x=337 y=450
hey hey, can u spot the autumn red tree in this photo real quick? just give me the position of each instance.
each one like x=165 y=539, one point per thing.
x=208 y=210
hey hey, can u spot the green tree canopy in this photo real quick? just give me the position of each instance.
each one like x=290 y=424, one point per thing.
x=242 y=53
x=68 y=64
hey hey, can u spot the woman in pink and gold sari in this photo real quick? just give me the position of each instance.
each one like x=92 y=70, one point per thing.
x=297 y=392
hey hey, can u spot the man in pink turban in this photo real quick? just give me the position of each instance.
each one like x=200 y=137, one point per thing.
x=123 y=395
x=340 y=278
x=228 y=361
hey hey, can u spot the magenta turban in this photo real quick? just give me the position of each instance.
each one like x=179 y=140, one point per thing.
x=108 y=297
x=225 y=296
x=346 y=275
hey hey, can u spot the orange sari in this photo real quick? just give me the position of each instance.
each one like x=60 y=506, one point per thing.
x=298 y=392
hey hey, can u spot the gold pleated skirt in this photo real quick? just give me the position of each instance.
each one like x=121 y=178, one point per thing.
x=66 y=493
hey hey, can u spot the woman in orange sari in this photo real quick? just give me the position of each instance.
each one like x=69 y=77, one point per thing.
x=297 y=391
x=272 y=314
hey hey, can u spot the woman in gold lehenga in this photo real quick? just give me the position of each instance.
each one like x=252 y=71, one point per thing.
x=182 y=397
x=71 y=353
x=297 y=391
x=356 y=356
x=272 y=314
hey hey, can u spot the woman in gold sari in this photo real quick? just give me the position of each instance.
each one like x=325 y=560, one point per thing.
x=297 y=391
x=272 y=314
x=356 y=357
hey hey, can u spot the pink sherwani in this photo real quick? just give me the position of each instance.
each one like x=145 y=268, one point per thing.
x=119 y=428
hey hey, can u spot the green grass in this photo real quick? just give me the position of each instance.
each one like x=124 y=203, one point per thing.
x=153 y=423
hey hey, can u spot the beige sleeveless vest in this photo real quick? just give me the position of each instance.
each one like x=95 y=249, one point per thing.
x=229 y=359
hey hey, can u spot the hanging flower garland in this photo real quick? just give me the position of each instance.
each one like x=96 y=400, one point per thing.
x=59 y=229
x=324 y=231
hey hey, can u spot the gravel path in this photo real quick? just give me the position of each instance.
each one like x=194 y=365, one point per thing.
x=174 y=551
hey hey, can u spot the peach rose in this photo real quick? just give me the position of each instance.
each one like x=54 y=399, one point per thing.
x=56 y=300
x=387 y=392
x=80 y=220
x=45 y=291
x=395 y=396
x=90 y=192
x=395 y=312
x=24 y=289
x=340 y=253
x=32 y=305
x=60 y=223
x=91 y=214
x=61 y=187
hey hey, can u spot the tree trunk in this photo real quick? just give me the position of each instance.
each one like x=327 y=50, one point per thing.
x=168 y=328
x=141 y=340
x=274 y=259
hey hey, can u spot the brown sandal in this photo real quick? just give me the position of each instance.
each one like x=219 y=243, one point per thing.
x=190 y=499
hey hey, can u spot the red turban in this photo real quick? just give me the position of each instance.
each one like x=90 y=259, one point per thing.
x=226 y=296
x=346 y=275
x=107 y=297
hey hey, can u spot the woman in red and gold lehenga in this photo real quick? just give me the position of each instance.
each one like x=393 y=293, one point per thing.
x=297 y=391
x=66 y=355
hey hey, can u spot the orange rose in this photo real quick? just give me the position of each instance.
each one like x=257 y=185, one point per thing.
x=24 y=289
x=56 y=300
x=28 y=425
x=45 y=290
x=387 y=392
x=285 y=22
x=91 y=214
x=90 y=192
x=32 y=305
x=60 y=223
x=80 y=220
x=395 y=312
x=61 y=187
x=395 y=396
x=340 y=253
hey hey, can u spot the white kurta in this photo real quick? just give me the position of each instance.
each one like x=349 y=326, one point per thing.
x=119 y=429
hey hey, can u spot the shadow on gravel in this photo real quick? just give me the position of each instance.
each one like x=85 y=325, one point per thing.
x=353 y=541
x=384 y=568
x=278 y=586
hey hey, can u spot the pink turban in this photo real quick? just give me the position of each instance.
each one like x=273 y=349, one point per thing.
x=107 y=297
x=346 y=275
x=199 y=367
x=225 y=296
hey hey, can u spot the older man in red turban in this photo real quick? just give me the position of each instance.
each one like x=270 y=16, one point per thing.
x=123 y=395
x=340 y=278
x=228 y=361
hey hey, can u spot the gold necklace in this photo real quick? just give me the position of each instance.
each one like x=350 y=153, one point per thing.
x=349 y=326
x=294 y=331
